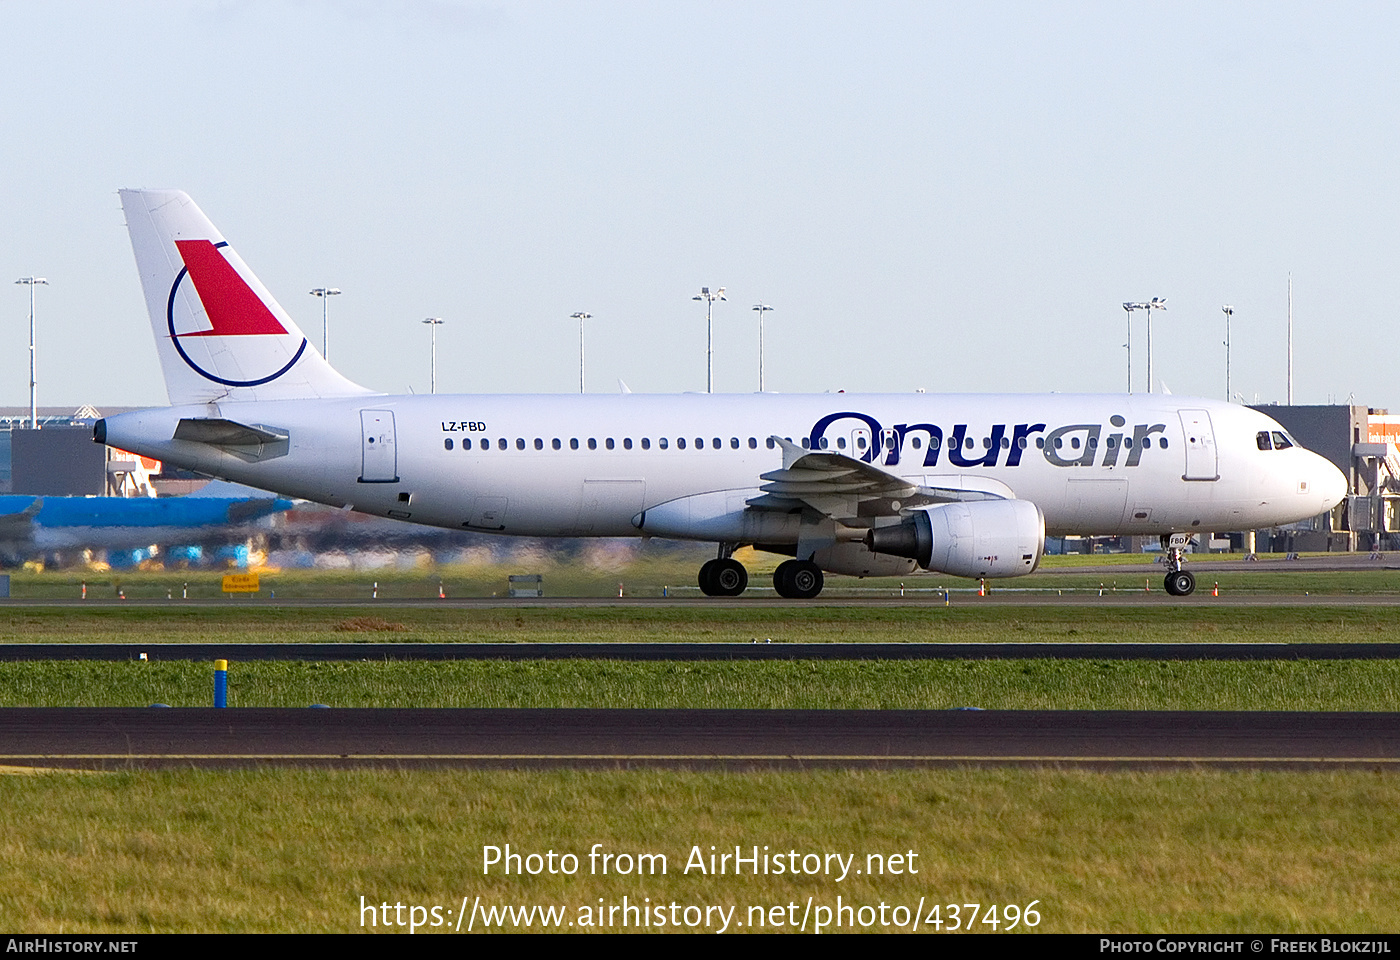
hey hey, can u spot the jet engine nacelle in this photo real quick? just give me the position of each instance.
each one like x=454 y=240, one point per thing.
x=983 y=538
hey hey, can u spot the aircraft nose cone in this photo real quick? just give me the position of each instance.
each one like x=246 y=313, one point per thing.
x=1329 y=483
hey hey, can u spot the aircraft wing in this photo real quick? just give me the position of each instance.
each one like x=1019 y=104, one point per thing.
x=850 y=490
x=19 y=527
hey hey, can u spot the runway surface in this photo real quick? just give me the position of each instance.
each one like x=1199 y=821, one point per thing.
x=960 y=597
x=248 y=652
x=124 y=738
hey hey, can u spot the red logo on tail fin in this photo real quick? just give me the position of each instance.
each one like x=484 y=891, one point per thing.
x=234 y=309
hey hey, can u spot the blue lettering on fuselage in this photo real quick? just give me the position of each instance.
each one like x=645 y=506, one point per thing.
x=1070 y=445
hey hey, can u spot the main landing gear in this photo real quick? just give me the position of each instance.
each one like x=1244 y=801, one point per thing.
x=723 y=577
x=1179 y=582
x=798 y=579
x=726 y=577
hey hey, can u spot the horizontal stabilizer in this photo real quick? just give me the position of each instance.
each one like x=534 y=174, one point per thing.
x=226 y=433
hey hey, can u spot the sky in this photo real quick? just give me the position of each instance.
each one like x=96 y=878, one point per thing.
x=952 y=197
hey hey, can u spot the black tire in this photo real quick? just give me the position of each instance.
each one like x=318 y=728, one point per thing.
x=728 y=578
x=1181 y=583
x=707 y=578
x=798 y=580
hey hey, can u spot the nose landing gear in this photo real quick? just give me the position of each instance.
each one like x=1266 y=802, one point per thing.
x=1179 y=582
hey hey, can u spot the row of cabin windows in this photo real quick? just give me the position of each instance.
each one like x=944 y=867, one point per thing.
x=608 y=443
x=717 y=443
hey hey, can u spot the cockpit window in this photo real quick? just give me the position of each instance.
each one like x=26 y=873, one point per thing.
x=1281 y=442
x=1262 y=439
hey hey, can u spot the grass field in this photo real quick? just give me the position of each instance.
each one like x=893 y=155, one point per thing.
x=933 y=623
x=1100 y=852
x=806 y=685
x=295 y=850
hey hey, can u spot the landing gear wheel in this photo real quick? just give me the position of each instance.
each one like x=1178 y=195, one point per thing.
x=1180 y=583
x=707 y=578
x=728 y=578
x=798 y=579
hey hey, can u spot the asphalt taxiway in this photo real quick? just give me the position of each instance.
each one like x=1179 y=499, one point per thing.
x=120 y=738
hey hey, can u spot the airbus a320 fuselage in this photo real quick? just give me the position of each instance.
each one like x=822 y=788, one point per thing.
x=878 y=484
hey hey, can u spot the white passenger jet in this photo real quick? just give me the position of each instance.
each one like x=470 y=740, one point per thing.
x=864 y=485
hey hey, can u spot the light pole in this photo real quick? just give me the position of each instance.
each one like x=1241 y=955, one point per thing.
x=1290 y=338
x=433 y=323
x=580 y=317
x=1129 y=308
x=710 y=299
x=31 y=283
x=1229 y=312
x=762 y=308
x=325 y=293
x=1156 y=303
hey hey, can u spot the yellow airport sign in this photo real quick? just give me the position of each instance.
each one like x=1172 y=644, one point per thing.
x=241 y=583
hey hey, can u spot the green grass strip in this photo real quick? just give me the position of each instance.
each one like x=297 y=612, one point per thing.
x=295 y=851
x=1002 y=685
x=964 y=622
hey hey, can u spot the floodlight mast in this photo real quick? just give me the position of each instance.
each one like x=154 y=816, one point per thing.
x=325 y=293
x=31 y=283
x=1229 y=312
x=580 y=317
x=1129 y=308
x=710 y=299
x=1156 y=303
x=762 y=308
x=433 y=323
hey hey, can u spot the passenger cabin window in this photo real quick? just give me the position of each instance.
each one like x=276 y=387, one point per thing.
x=573 y=443
x=680 y=443
x=466 y=443
x=734 y=443
x=916 y=442
x=860 y=443
x=662 y=443
x=447 y=444
x=592 y=443
x=841 y=443
x=753 y=443
x=699 y=443
x=627 y=443
x=771 y=443
x=646 y=443
x=555 y=443
x=501 y=443
x=608 y=443
x=539 y=444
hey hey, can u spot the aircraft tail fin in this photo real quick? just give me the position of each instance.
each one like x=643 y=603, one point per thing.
x=219 y=332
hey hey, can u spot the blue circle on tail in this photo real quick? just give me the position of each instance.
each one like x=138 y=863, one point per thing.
x=175 y=339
